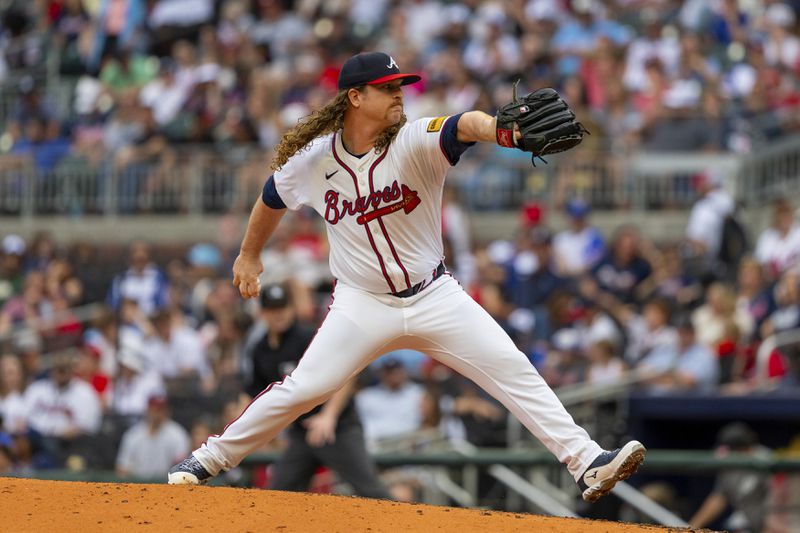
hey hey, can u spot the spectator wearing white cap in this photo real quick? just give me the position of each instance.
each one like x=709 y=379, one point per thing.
x=133 y=384
x=706 y=219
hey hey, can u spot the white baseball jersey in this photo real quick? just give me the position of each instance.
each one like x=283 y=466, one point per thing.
x=52 y=410
x=383 y=211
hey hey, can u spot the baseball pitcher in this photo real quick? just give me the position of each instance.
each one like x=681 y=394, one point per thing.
x=377 y=181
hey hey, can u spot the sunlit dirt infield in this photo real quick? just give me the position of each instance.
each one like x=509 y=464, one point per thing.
x=33 y=505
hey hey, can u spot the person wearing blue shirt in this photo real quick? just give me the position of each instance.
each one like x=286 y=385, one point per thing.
x=143 y=283
x=43 y=152
x=580 y=247
x=579 y=36
x=691 y=367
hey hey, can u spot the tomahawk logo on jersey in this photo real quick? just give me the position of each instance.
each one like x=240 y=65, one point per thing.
x=382 y=209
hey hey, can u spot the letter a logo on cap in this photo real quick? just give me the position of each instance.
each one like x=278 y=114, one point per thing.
x=392 y=63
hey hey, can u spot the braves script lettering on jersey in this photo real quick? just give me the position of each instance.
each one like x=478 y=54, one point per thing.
x=383 y=214
x=381 y=240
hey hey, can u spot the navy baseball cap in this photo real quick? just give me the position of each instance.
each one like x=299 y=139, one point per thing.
x=372 y=68
x=274 y=296
x=578 y=208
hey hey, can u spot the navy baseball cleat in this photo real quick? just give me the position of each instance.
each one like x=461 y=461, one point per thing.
x=610 y=467
x=188 y=472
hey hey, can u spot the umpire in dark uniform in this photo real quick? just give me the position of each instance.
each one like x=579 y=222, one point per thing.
x=330 y=434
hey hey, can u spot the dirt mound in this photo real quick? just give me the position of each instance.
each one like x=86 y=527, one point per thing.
x=32 y=505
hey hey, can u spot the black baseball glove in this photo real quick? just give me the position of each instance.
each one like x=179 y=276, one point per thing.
x=546 y=122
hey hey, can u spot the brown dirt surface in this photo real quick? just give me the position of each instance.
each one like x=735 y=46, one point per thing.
x=33 y=505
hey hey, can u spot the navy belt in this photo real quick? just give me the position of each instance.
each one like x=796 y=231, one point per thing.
x=416 y=289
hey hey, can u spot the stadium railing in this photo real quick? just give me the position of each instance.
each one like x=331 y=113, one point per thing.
x=209 y=179
x=81 y=314
x=44 y=337
x=675 y=461
x=771 y=173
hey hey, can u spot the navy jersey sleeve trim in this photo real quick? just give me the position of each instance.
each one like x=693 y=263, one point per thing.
x=270 y=195
x=448 y=140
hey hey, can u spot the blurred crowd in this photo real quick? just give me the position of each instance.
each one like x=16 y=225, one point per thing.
x=106 y=355
x=139 y=78
x=98 y=346
x=683 y=317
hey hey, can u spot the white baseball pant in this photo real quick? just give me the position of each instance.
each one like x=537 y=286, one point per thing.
x=442 y=321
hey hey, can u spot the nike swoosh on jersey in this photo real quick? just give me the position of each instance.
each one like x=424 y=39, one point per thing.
x=328 y=176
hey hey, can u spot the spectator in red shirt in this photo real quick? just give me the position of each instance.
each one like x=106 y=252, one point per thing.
x=88 y=369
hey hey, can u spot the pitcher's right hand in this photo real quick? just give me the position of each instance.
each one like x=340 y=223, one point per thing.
x=246 y=271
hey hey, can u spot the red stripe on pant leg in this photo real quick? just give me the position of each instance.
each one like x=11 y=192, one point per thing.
x=259 y=395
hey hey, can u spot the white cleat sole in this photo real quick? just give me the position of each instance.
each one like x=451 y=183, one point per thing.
x=624 y=465
x=182 y=478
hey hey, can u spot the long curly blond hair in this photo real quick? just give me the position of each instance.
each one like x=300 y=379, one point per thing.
x=324 y=120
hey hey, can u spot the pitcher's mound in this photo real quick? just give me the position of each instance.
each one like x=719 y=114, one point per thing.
x=32 y=505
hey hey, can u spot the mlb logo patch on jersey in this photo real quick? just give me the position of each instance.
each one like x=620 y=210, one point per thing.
x=436 y=124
